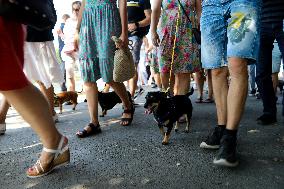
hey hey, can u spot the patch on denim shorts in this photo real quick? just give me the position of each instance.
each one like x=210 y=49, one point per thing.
x=238 y=27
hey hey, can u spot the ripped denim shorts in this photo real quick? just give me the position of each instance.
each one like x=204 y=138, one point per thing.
x=229 y=28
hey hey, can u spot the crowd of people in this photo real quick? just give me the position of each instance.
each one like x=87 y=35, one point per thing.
x=239 y=38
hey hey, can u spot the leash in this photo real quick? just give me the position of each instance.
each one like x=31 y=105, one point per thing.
x=173 y=50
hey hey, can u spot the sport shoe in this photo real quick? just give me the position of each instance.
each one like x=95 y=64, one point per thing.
x=266 y=119
x=213 y=139
x=252 y=92
x=2 y=128
x=227 y=153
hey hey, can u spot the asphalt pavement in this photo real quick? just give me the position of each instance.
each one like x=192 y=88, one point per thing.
x=133 y=156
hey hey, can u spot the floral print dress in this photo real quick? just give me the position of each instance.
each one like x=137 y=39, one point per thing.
x=100 y=21
x=187 y=51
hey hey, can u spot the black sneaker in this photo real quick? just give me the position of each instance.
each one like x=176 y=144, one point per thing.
x=252 y=92
x=227 y=153
x=266 y=119
x=213 y=139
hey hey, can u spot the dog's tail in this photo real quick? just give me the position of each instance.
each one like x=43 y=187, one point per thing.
x=190 y=92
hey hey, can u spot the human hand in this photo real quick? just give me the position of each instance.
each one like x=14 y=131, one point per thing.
x=124 y=41
x=155 y=38
x=132 y=27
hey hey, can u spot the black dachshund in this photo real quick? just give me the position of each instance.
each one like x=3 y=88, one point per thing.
x=108 y=100
x=167 y=110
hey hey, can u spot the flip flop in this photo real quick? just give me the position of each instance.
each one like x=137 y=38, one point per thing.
x=199 y=100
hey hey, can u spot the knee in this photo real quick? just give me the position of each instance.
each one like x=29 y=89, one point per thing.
x=220 y=72
x=238 y=69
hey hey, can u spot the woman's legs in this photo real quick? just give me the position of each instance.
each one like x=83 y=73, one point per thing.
x=31 y=105
x=71 y=83
x=182 y=83
x=4 y=107
x=49 y=95
x=120 y=90
x=210 y=86
x=91 y=91
x=199 y=80
x=165 y=81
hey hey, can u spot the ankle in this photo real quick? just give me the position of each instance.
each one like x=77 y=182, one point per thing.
x=231 y=133
x=52 y=141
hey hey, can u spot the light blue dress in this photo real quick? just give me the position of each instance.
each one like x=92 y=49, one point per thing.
x=100 y=21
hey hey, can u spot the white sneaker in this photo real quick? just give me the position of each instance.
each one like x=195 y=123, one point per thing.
x=2 y=128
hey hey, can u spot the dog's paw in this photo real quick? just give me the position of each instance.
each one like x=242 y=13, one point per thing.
x=165 y=143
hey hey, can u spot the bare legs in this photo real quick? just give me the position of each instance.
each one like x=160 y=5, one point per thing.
x=199 y=79
x=71 y=83
x=230 y=101
x=209 y=83
x=31 y=105
x=120 y=90
x=237 y=91
x=182 y=83
x=220 y=89
x=4 y=107
x=91 y=90
x=132 y=83
x=49 y=95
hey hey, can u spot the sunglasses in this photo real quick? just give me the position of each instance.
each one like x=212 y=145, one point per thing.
x=77 y=10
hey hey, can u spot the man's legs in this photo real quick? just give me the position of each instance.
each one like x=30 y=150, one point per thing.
x=263 y=76
x=237 y=91
x=137 y=43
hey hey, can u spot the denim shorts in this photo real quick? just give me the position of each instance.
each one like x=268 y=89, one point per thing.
x=276 y=58
x=229 y=28
x=136 y=47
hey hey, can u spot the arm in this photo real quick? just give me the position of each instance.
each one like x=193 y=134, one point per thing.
x=143 y=23
x=198 y=11
x=80 y=16
x=124 y=22
x=154 y=21
x=76 y=37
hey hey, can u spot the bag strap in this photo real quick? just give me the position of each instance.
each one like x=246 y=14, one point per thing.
x=184 y=11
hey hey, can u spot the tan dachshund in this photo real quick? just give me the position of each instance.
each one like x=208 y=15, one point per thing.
x=66 y=96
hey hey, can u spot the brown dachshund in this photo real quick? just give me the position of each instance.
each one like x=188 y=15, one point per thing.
x=66 y=96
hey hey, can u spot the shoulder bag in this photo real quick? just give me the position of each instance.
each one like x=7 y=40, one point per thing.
x=196 y=32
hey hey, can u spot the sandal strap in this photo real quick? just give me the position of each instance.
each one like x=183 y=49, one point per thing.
x=59 y=148
x=38 y=164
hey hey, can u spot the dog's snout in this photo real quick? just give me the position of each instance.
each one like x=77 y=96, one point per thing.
x=146 y=105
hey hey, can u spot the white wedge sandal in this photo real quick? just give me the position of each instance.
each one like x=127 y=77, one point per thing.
x=61 y=158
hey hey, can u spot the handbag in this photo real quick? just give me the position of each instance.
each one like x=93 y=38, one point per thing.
x=39 y=14
x=124 y=68
x=196 y=32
